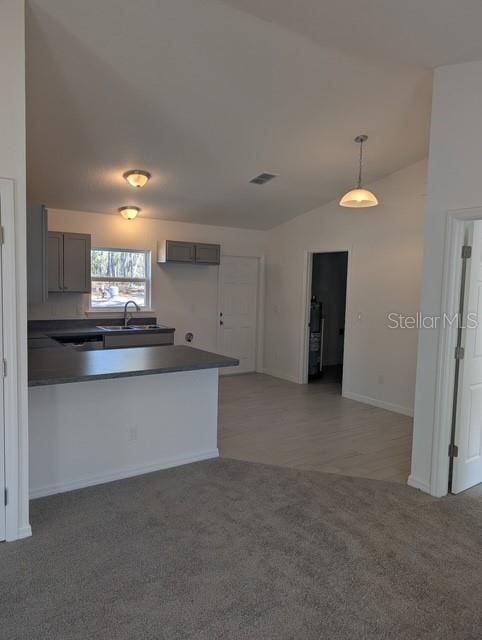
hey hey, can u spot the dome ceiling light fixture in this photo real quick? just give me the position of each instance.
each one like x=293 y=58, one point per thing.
x=137 y=177
x=359 y=198
x=129 y=212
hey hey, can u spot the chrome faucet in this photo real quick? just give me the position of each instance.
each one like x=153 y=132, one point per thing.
x=126 y=321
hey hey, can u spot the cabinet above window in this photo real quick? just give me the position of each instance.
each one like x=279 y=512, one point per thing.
x=188 y=252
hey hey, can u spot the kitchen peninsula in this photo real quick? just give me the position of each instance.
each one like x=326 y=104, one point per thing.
x=104 y=414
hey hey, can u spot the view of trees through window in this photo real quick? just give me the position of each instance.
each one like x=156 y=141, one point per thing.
x=119 y=275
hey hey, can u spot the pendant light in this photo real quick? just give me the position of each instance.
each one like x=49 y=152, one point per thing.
x=359 y=198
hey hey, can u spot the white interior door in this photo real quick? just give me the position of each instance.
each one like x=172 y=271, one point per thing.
x=3 y=520
x=467 y=469
x=237 y=311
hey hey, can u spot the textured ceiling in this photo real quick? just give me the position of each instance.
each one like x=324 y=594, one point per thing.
x=205 y=96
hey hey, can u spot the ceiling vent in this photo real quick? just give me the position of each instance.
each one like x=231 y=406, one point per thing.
x=263 y=178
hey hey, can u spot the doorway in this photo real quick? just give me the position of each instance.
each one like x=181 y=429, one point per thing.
x=326 y=339
x=456 y=451
x=238 y=311
x=3 y=519
x=465 y=452
x=13 y=459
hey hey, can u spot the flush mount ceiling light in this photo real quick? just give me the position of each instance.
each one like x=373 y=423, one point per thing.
x=137 y=177
x=129 y=213
x=359 y=198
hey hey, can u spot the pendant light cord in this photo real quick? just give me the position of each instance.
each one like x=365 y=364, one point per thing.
x=360 y=165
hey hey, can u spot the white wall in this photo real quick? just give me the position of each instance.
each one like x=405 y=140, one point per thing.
x=183 y=296
x=91 y=432
x=383 y=276
x=12 y=166
x=455 y=175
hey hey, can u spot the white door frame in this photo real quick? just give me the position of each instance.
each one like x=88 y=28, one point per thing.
x=9 y=303
x=456 y=224
x=259 y=346
x=306 y=289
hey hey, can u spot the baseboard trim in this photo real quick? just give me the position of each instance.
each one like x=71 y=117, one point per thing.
x=22 y=532
x=381 y=404
x=418 y=484
x=120 y=474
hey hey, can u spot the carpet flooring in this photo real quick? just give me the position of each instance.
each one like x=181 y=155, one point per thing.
x=234 y=550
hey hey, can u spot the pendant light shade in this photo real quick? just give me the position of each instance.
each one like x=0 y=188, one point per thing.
x=359 y=198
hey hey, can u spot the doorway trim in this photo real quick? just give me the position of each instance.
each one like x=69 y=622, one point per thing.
x=455 y=227
x=10 y=320
x=306 y=289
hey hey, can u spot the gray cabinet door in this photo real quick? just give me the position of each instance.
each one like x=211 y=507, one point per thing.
x=208 y=253
x=179 y=251
x=55 y=261
x=37 y=239
x=76 y=262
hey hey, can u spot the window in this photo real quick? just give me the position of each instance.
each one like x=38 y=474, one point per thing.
x=119 y=275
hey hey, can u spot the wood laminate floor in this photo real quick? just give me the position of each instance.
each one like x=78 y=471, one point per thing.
x=265 y=419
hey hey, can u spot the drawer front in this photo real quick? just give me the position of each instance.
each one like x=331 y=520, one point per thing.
x=138 y=340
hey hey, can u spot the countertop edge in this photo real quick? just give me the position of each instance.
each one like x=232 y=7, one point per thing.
x=128 y=374
x=49 y=377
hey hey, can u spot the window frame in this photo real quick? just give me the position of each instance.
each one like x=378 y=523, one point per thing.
x=148 y=280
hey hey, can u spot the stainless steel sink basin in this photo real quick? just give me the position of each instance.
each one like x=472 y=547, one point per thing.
x=114 y=327
x=143 y=327
x=130 y=327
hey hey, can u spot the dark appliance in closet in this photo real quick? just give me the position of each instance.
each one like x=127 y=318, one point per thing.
x=316 y=339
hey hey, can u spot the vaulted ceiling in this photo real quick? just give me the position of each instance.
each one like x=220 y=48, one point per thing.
x=206 y=94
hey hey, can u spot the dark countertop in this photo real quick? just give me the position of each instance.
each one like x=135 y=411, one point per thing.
x=89 y=328
x=61 y=366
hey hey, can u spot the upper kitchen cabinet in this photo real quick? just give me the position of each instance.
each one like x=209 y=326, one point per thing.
x=207 y=253
x=55 y=261
x=77 y=262
x=37 y=225
x=188 y=252
x=68 y=262
x=175 y=251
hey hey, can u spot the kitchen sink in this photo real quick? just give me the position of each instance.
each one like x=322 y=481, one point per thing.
x=143 y=327
x=130 y=327
x=115 y=327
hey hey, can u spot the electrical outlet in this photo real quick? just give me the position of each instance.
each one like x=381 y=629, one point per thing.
x=132 y=434
x=380 y=379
